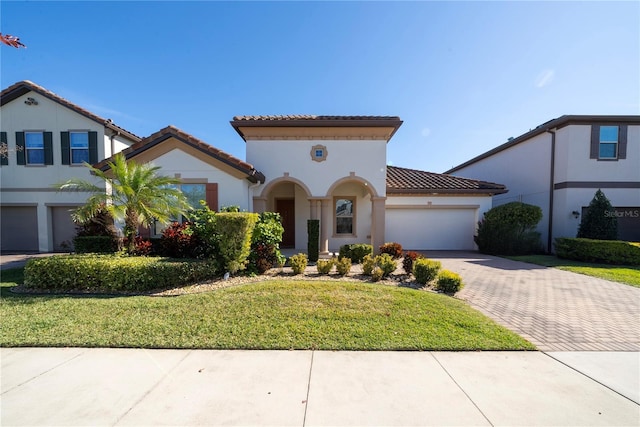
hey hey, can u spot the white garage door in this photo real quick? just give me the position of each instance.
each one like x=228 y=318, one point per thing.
x=431 y=229
x=19 y=229
x=64 y=230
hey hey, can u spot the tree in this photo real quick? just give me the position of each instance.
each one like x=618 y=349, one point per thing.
x=599 y=222
x=509 y=229
x=135 y=192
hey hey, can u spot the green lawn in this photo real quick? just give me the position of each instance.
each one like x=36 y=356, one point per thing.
x=273 y=314
x=629 y=275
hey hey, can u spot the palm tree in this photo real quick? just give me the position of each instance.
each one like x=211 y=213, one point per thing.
x=134 y=192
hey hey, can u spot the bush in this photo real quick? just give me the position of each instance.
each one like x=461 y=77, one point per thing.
x=425 y=270
x=107 y=273
x=265 y=243
x=408 y=260
x=376 y=274
x=386 y=263
x=234 y=231
x=599 y=251
x=95 y=244
x=510 y=230
x=343 y=266
x=368 y=264
x=298 y=263
x=449 y=282
x=356 y=252
x=142 y=246
x=178 y=241
x=598 y=223
x=324 y=266
x=313 y=239
x=203 y=225
x=394 y=249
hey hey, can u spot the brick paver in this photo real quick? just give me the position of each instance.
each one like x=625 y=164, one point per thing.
x=554 y=309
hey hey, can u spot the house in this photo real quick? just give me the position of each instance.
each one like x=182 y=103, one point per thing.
x=559 y=166
x=48 y=139
x=330 y=168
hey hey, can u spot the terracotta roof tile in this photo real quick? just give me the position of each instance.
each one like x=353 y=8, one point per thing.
x=171 y=131
x=411 y=181
x=18 y=89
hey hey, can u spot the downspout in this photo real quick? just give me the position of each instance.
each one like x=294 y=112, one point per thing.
x=250 y=196
x=113 y=145
x=552 y=177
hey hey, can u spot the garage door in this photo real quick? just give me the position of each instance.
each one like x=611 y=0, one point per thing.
x=19 y=229
x=431 y=229
x=64 y=230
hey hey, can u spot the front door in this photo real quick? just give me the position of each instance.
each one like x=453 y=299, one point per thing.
x=287 y=210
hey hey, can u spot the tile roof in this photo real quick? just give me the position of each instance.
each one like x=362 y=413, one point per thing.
x=20 y=88
x=411 y=181
x=171 y=131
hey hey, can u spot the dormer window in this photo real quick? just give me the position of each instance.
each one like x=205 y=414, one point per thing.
x=318 y=153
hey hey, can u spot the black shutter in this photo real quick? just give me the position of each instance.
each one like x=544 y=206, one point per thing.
x=20 y=149
x=48 y=148
x=622 y=142
x=595 y=142
x=93 y=147
x=4 y=159
x=65 y=147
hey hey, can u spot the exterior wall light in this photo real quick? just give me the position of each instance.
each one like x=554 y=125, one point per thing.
x=575 y=214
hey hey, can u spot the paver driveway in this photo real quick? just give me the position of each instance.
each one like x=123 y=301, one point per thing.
x=554 y=309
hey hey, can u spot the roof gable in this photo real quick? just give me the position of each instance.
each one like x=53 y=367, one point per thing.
x=21 y=88
x=171 y=133
x=411 y=181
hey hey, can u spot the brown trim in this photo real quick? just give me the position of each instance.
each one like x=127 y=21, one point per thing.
x=211 y=195
x=596 y=184
x=558 y=123
x=432 y=206
x=428 y=192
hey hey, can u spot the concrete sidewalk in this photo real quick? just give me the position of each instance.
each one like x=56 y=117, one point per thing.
x=77 y=386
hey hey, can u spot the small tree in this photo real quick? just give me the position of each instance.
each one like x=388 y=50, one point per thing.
x=599 y=222
x=509 y=229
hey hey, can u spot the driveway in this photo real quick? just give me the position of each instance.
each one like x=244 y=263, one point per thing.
x=554 y=309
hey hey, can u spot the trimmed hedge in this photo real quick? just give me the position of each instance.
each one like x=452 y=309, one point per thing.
x=599 y=251
x=106 y=273
x=313 y=239
x=355 y=252
x=234 y=231
x=95 y=244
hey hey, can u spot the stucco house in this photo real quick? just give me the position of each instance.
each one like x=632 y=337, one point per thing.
x=560 y=165
x=331 y=168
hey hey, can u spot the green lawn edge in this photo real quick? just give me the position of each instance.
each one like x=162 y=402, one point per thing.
x=627 y=274
x=268 y=315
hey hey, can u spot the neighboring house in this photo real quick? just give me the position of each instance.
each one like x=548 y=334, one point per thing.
x=48 y=139
x=561 y=164
x=331 y=168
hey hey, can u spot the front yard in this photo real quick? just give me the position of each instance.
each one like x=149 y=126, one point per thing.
x=272 y=314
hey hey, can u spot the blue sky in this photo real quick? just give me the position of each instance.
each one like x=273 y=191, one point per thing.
x=464 y=76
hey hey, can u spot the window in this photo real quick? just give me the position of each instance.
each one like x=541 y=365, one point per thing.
x=34 y=147
x=318 y=153
x=194 y=193
x=608 y=148
x=345 y=216
x=79 y=142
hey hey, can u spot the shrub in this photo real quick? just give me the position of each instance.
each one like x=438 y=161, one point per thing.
x=386 y=263
x=203 y=225
x=376 y=274
x=343 y=266
x=178 y=241
x=449 y=282
x=368 y=263
x=313 y=239
x=598 y=223
x=324 y=266
x=509 y=229
x=394 y=249
x=234 y=230
x=408 y=260
x=425 y=270
x=95 y=244
x=356 y=252
x=298 y=263
x=107 y=273
x=265 y=243
x=599 y=251
x=142 y=246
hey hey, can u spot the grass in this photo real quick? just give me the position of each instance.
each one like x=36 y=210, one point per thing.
x=265 y=315
x=626 y=274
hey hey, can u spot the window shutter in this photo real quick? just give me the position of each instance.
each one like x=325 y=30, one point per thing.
x=65 y=147
x=93 y=147
x=48 y=148
x=622 y=142
x=20 y=149
x=4 y=160
x=595 y=142
x=212 y=196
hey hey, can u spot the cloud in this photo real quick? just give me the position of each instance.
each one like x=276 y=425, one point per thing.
x=425 y=132
x=545 y=77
